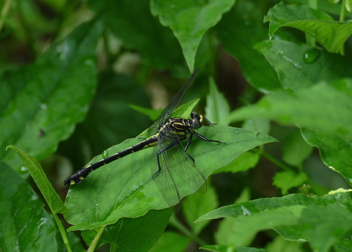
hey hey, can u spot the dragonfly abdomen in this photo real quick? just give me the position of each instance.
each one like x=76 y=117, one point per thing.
x=80 y=175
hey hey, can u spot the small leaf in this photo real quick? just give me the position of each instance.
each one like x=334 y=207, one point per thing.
x=189 y=20
x=151 y=113
x=295 y=149
x=217 y=109
x=288 y=179
x=171 y=242
x=196 y=205
x=51 y=197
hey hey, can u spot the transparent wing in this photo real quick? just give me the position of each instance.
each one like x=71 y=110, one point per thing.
x=167 y=112
x=178 y=175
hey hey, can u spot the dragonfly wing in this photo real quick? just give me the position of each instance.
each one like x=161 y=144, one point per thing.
x=178 y=176
x=164 y=179
x=167 y=112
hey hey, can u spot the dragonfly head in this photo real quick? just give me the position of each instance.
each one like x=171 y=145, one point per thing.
x=197 y=120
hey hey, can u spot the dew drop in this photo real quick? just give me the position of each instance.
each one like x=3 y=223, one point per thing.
x=245 y=211
x=24 y=169
x=310 y=55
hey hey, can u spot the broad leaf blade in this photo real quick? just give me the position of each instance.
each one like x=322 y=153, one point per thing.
x=189 y=20
x=117 y=190
x=287 y=58
x=329 y=33
x=51 y=197
x=43 y=101
x=25 y=225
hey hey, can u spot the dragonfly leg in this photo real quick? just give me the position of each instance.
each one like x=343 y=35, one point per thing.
x=160 y=152
x=206 y=139
x=187 y=145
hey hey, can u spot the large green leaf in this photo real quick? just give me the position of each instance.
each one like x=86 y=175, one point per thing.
x=127 y=234
x=323 y=107
x=296 y=217
x=42 y=102
x=134 y=25
x=335 y=151
x=189 y=20
x=24 y=225
x=294 y=71
x=233 y=31
x=171 y=242
x=124 y=188
x=329 y=33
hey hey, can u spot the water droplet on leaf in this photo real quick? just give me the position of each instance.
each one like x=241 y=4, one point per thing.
x=310 y=55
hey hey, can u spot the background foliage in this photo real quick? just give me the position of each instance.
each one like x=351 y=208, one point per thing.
x=76 y=75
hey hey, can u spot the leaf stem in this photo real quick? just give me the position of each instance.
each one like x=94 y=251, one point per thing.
x=186 y=231
x=63 y=232
x=275 y=161
x=96 y=239
x=313 y=4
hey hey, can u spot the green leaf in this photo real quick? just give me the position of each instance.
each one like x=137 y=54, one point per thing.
x=43 y=101
x=217 y=109
x=25 y=225
x=305 y=107
x=266 y=205
x=288 y=60
x=348 y=5
x=134 y=25
x=221 y=248
x=295 y=149
x=35 y=169
x=286 y=180
x=335 y=152
x=244 y=162
x=233 y=31
x=196 y=205
x=281 y=244
x=223 y=235
x=151 y=113
x=329 y=33
x=325 y=225
x=189 y=20
x=171 y=242
x=127 y=234
x=257 y=124
x=98 y=201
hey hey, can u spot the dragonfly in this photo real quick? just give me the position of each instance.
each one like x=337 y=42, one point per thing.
x=170 y=158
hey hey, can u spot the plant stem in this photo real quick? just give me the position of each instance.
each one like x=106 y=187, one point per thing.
x=275 y=161
x=313 y=4
x=63 y=232
x=96 y=239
